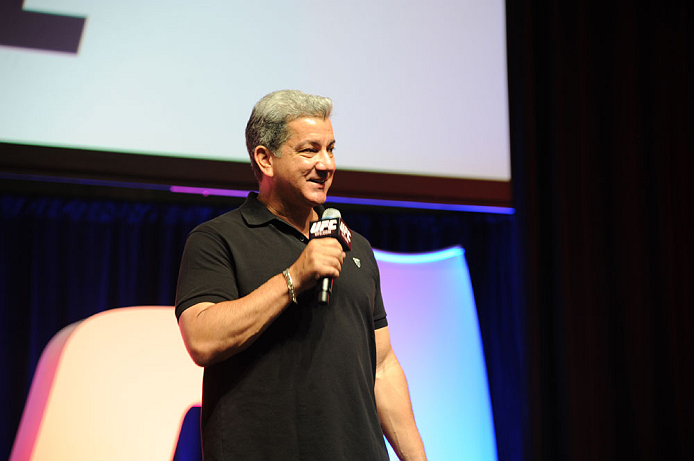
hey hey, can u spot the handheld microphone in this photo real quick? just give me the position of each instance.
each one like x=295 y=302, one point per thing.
x=330 y=225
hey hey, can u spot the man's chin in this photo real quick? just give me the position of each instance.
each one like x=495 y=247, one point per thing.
x=317 y=198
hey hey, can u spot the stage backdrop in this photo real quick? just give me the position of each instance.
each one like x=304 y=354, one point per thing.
x=132 y=361
x=65 y=258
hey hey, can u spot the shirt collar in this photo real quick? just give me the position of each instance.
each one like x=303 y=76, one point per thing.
x=257 y=214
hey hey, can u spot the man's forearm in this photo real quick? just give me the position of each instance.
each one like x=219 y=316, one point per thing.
x=214 y=332
x=395 y=412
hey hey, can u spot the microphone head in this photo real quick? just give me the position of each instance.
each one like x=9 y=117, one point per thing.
x=332 y=225
x=330 y=213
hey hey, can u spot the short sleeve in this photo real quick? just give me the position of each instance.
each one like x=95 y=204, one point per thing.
x=379 y=315
x=206 y=273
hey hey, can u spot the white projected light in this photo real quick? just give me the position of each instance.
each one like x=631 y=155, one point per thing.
x=418 y=88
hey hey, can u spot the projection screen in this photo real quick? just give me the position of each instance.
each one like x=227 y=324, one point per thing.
x=138 y=89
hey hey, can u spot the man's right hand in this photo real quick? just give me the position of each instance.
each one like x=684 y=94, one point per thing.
x=322 y=257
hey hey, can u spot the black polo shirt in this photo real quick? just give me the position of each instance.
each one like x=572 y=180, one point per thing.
x=304 y=390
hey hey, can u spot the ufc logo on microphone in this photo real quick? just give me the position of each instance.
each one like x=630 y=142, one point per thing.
x=332 y=227
x=346 y=233
x=323 y=227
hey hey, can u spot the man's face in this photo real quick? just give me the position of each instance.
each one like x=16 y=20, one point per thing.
x=304 y=172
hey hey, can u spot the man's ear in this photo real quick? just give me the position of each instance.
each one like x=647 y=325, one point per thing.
x=265 y=160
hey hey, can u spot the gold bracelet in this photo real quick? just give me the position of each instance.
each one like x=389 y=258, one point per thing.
x=290 y=285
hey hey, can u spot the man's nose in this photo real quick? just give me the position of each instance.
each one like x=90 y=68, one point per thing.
x=325 y=161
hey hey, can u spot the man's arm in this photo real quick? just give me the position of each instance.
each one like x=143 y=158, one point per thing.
x=214 y=332
x=393 y=402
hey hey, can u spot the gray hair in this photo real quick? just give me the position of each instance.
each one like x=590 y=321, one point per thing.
x=268 y=123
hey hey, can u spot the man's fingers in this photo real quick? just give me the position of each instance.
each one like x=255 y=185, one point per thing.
x=321 y=258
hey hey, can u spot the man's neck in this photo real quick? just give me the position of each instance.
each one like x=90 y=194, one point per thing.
x=299 y=217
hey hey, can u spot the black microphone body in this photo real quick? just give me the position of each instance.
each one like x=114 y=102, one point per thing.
x=330 y=225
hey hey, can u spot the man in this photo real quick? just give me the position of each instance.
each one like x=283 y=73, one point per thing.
x=287 y=378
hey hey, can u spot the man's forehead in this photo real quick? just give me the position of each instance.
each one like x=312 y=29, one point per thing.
x=310 y=128
x=308 y=121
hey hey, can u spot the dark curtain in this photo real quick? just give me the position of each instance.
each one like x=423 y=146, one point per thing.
x=64 y=258
x=600 y=100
